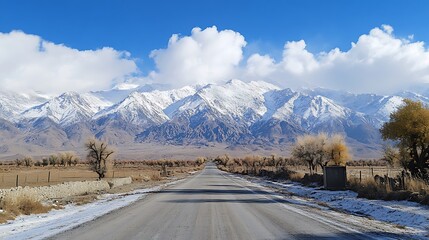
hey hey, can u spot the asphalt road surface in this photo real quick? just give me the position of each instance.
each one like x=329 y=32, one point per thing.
x=215 y=205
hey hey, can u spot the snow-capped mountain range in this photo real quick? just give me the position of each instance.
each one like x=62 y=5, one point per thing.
x=234 y=113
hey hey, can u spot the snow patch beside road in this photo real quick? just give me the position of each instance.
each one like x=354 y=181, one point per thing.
x=413 y=216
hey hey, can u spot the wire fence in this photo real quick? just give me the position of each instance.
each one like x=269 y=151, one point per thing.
x=361 y=172
x=55 y=176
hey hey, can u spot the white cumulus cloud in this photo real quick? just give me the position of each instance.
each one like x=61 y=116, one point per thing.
x=27 y=62
x=260 y=65
x=206 y=56
x=297 y=60
x=378 y=62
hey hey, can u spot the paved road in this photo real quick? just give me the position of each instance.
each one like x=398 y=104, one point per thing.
x=214 y=205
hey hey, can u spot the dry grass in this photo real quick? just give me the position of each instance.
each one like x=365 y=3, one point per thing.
x=22 y=204
x=296 y=176
x=156 y=177
x=84 y=199
x=368 y=188
x=414 y=190
x=4 y=217
x=417 y=185
x=141 y=178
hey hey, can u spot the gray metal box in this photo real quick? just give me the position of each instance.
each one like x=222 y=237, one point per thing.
x=334 y=177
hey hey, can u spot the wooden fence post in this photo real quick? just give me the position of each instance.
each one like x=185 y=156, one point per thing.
x=360 y=176
x=17 y=179
x=49 y=176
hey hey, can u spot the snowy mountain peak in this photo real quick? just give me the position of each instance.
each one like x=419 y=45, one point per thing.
x=69 y=95
x=234 y=98
x=12 y=104
x=146 y=108
x=264 y=86
x=235 y=112
x=66 y=109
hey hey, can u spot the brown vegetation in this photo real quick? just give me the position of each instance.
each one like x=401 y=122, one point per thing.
x=61 y=159
x=321 y=150
x=23 y=204
x=272 y=167
x=368 y=163
x=409 y=188
x=398 y=187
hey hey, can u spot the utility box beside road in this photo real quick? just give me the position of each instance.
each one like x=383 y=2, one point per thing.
x=334 y=177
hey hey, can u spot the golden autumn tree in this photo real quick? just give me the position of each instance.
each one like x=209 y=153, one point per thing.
x=337 y=151
x=409 y=127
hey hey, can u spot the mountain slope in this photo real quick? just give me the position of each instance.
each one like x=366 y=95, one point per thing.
x=235 y=113
x=144 y=108
x=12 y=104
x=215 y=113
x=66 y=109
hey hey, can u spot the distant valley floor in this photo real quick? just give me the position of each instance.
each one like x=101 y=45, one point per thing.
x=138 y=151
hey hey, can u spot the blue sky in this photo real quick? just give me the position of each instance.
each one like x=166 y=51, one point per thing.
x=139 y=27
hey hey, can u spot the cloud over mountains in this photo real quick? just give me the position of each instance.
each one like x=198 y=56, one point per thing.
x=27 y=62
x=377 y=62
x=206 y=56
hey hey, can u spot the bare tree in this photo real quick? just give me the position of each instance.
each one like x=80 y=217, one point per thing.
x=68 y=158
x=19 y=162
x=98 y=156
x=53 y=160
x=310 y=150
x=45 y=162
x=321 y=150
x=28 y=161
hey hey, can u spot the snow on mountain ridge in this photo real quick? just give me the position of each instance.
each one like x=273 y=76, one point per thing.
x=135 y=109
x=246 y=102
x=377 y=106
x=234 y=102
x=165 y=98
x=235 y=98
x=235 y=113
x=12 y=104
x=66 y=109
x=307 y=110
x=145 y=107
